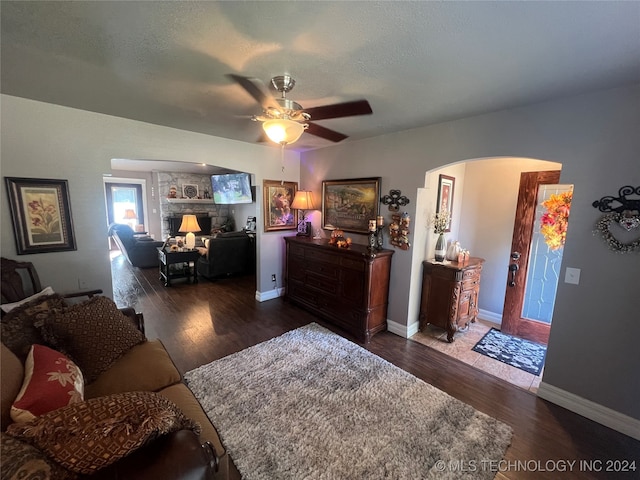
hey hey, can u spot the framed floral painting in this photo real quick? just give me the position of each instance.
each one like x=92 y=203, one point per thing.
x=278 y=214
x=41 y=215
x=445 y=196
x=350 y=204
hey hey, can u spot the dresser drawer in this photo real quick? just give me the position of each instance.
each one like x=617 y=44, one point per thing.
x=471 y=283
x=351 y=264
x=326 y=257
x=471 y=277
x=325 y=269
x=472 y=273
x=319 y=282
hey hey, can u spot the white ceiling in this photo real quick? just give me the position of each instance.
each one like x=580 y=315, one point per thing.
x=417 y=63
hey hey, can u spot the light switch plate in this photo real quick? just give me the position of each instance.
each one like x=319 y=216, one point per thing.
x=572 y=275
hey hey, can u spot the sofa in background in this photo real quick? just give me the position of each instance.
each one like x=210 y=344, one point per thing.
x=140 y=250
x=227 y=254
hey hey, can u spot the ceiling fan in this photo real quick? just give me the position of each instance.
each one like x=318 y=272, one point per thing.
x=284 y=120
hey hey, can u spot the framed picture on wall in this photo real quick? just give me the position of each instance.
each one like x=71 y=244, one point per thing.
x=278 y=214
x=41 y=215
x=350 y=204
x=445 y=196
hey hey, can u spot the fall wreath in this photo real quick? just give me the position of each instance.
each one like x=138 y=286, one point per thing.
x=555 y=220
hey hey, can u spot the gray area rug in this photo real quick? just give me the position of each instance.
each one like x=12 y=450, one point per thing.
x=309 y=404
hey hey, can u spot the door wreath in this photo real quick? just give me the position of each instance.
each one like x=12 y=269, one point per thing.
x=623 y=212
x=627 y=221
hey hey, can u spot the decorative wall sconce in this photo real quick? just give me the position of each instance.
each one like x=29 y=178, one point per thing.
x=621 y=213
x=395 y=200
x=399 y=231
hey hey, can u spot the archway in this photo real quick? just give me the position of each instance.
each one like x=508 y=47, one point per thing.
x=483 y=212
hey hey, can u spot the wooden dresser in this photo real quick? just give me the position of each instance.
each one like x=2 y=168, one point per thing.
x=348 y=287
x=450 y=294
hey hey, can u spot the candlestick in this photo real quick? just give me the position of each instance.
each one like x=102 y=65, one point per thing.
x=372 y=226
x=380 y=221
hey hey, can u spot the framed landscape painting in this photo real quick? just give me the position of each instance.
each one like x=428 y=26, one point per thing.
x=41 y=214
x=278 y=214
x=350 y=204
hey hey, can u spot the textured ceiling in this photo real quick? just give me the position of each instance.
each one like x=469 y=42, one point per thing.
x=417 y=63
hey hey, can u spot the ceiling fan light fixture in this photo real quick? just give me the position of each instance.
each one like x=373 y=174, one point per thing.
x=283 y=131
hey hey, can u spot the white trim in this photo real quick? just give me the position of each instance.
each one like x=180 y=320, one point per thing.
x=402 y=330
x=598 y=413
x=490 y=317
x=269 y=295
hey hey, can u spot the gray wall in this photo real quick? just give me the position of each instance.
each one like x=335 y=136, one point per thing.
x=593 y=350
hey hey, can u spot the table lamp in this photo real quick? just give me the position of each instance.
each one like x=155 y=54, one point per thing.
x=303 y=200
x=190 y=225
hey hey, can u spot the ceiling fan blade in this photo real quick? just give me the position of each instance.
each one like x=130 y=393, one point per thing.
x=323 y=132
x=254 y=88
x=337 y=110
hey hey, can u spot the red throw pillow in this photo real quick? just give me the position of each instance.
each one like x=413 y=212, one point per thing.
x=51 y=381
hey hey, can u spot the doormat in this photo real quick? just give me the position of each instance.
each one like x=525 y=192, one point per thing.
x=517 y=352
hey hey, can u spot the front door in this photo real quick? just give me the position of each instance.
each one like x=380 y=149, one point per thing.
x=514 y=319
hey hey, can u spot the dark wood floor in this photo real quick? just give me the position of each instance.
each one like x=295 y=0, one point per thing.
x=202 y=322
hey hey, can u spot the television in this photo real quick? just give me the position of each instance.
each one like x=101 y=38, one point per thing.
x=231 y=188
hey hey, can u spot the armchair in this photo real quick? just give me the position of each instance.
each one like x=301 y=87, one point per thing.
x=140 y=251
x=20 y=280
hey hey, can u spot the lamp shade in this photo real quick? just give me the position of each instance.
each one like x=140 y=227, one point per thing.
x=189 y=224
x=283 y=131
x=130 y=214
x=303 y=200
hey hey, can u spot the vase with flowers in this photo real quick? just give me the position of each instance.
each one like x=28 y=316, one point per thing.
x=440 y=223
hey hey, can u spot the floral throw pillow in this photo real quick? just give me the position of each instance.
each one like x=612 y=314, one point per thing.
x=51 y=381
x=85 y=437
x=93 y=333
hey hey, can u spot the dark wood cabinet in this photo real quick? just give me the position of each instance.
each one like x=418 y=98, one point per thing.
x=348 y=287
x=450 y=294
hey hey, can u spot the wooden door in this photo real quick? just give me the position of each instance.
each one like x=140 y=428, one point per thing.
x=513 y=322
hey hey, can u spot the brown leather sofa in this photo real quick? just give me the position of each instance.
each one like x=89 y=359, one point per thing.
x=146 y=367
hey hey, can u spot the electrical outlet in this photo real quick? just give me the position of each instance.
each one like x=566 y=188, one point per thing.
x=273 y=277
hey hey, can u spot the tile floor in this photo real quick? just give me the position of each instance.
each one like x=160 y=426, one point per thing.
x=461 y=348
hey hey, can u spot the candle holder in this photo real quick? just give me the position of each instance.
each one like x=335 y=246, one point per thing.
x=373 y=241
x=380 y=237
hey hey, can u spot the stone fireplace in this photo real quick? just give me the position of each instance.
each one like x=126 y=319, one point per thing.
x=208 y=213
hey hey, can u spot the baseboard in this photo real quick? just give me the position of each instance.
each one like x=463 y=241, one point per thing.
x=404 y=331
x=269 y=295
x=603 y=415
x=490 y=317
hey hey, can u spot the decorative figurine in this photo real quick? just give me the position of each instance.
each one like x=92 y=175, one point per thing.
x=399 y=231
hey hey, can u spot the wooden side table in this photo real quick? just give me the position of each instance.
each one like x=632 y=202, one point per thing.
x=168 y=258
x=450 y=294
